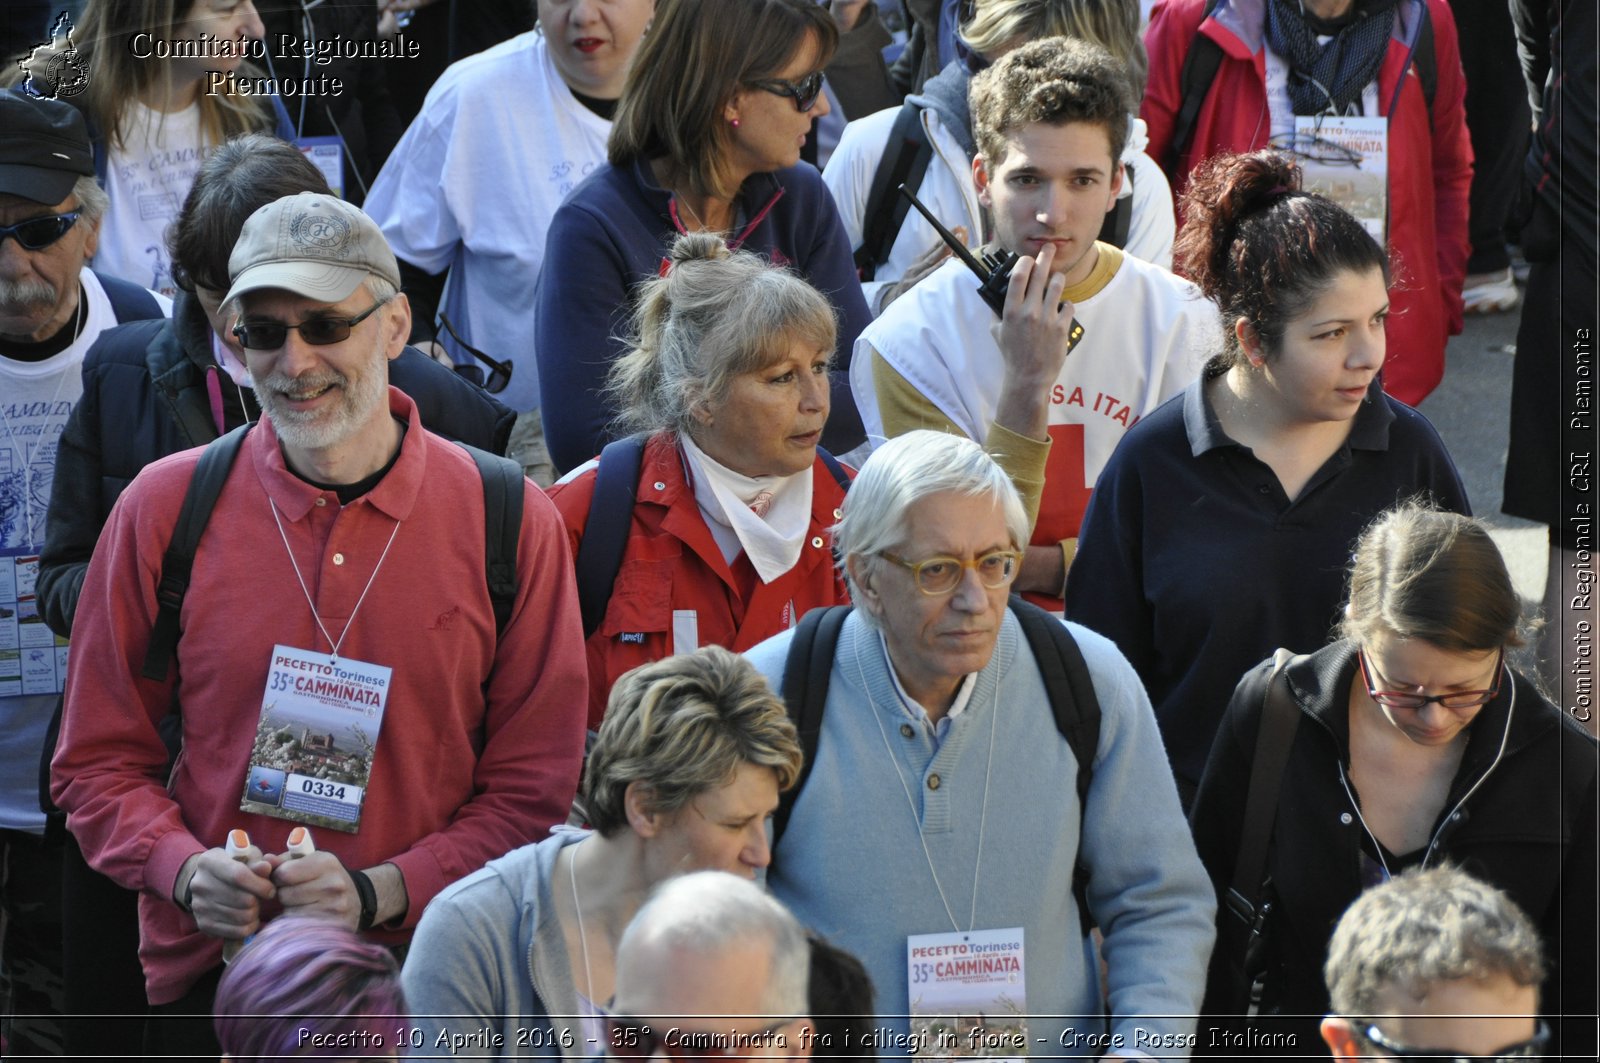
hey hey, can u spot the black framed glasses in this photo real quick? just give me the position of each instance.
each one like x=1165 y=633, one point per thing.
x=36 y=234
x=1532 y=1048
x=631 y=1038
x=1459 y=701
x=804 y=92
x=318 y=331
x=1313 y=148
x=942 y=575
x=499 y=372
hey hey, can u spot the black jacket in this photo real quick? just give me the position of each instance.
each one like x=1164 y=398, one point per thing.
x=144 y=397
x=1521 y=818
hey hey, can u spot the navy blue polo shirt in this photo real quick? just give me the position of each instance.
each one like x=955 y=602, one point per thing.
x=1198 y=565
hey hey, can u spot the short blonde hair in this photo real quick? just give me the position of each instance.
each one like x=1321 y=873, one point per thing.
x=682 y=726
x=716 y=315
x=1112 y=24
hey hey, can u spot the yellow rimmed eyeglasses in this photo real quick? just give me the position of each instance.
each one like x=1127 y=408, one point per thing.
x=942 y=575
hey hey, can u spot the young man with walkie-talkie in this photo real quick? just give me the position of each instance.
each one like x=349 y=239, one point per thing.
x=1050 y=119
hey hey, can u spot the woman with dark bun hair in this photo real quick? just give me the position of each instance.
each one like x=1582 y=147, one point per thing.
x=1221 y=526
x=728 y=542
x=1418 y=744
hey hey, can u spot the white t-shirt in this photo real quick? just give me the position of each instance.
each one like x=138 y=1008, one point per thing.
x=473 y=185
x=147 y=181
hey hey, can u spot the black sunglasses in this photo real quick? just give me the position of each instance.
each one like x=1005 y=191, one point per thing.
x=318 y=331
x=36 y=234
x=804 y=92
x=1529 y=1049
x=499 y=372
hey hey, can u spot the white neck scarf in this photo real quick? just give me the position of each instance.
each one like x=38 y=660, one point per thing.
x=773 y=540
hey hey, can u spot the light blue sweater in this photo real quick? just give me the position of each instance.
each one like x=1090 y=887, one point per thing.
x=850 y=864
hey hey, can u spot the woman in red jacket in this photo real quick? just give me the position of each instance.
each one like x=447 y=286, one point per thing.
x=728 y=541
x=1280 y=59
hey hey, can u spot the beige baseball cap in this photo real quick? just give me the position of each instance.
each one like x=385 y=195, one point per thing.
x=311 y=244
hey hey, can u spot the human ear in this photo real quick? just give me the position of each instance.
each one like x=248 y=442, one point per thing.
x=980 y=179
x=1249 y=342
x=861 y=577
x=1340 y=1037
x=396 y=325
x=643 y=818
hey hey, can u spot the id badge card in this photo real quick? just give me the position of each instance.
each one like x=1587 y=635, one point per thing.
x=1347 y=160
x=320 y=718
x=33 y=659
x=969 y=994
x=326 y=154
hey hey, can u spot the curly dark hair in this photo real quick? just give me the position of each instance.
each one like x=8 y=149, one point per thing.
x=1054 y=81
x=1261 y=248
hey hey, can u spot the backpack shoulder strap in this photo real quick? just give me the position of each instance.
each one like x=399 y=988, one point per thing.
x=836 y=470
x=1076 y=709
x=129 y=302
x=605 y=534
x=1119 y=220
x=805 y=693
x=178 y=562
x=1423 y=57
x=502 y=526
x=1200 y=65
x=1280 y=718
x=905 y=161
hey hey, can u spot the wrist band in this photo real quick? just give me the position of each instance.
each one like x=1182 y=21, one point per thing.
x=369 y=898
x=186 y=902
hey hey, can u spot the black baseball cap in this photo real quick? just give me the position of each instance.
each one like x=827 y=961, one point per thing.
x=44 y=147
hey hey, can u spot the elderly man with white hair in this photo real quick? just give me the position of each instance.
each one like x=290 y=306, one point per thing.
x=711 y=966
x=1003 y=753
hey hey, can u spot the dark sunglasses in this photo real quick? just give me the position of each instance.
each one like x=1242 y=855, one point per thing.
x=1529 y=1049
x=804 y=92
x=1404 y=699
x=629 y=1038
x=319 y=331
x=499 y=372
x=36 y=234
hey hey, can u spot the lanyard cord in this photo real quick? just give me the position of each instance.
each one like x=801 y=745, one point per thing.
x=307 y=591
x=983 y=815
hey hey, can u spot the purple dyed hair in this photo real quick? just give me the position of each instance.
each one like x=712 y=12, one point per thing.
x=303 y=977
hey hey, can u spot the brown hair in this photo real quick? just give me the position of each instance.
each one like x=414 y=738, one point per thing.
x=116 y=77
x=697 y=55
x=1423 y=573
x=1055 y=81
x=681 y=726
x=234 y=182
x=1262 y=249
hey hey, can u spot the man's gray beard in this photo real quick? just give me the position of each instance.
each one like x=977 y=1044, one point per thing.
x=20 y=297
x=318 y=430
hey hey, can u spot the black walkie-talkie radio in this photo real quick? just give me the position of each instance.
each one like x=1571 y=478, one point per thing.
x=993 y=270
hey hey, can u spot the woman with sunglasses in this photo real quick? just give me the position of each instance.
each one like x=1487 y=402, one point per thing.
x=707 y=138
x=682 y=777
x=159 y=93
x=728 y=511
x=1416 y=744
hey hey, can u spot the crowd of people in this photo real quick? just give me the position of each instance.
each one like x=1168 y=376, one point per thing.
x=679 y=539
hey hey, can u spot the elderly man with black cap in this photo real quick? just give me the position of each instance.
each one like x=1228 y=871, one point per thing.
x=52 y=306
x=340 y=661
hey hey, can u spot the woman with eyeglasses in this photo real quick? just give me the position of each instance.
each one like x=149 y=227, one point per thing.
x=1416 y=744
x=723 y=517
x=707 y=138
x=1221 y=525
x=685 y=771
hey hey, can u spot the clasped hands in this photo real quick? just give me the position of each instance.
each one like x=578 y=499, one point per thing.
x=226 y=894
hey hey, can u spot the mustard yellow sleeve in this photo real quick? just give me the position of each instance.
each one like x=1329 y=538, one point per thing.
x=905 y=409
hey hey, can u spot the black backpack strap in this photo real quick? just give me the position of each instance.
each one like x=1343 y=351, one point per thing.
x=1427 y=64
x=904 y=162
x=129 y=302
x=1119 y=220
x=1280 y=717
x=805 y=693
x=502 y=526
x=605 y=534
x=1200 y=65
x=1076 y=708
x=836 y=470
x=178 y=562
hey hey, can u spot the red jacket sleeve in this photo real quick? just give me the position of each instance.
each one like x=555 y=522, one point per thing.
x=1452 y=163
